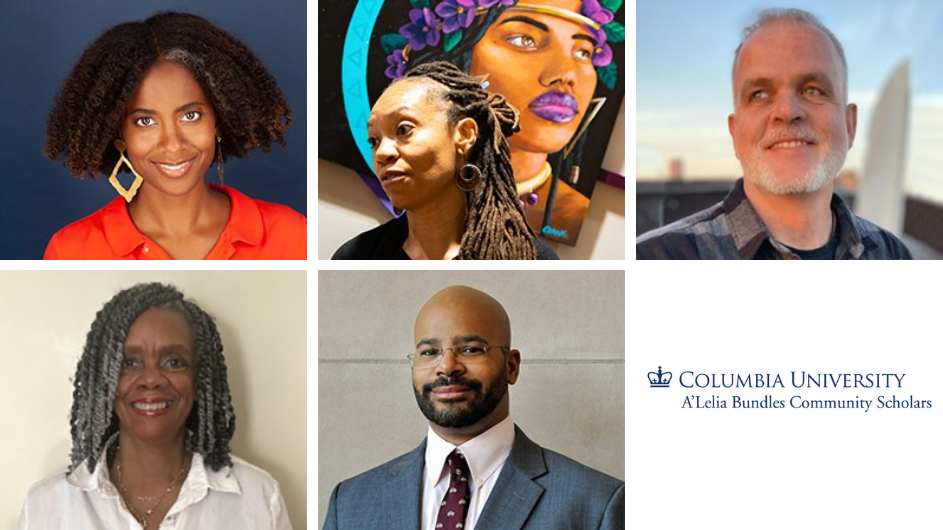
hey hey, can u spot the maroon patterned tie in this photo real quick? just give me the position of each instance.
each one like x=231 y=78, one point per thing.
x=452 y=510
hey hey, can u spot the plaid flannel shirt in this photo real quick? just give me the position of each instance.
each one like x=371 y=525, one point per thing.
x=731 y=229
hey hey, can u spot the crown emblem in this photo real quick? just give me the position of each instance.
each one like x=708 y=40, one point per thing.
x=661 y=379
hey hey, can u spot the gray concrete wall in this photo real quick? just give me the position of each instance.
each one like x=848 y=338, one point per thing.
x=570 y=397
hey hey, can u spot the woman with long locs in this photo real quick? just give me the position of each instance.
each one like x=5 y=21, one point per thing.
x=552 y=60
x=440 y=150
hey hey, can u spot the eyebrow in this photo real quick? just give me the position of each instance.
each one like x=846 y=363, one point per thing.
x=817 y=77
x=755 y=82
x=178 y=109
x=542 y=26
x=398 y=110
x=526 y=20
x=427 y=342
x=164 y=350
x=585 y=37
x=459 y=339
x=820 y=78
x=175 y=348
x=470 y=338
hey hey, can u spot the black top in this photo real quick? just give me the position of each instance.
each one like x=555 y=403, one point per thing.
x=386 y=242
x=826 y=251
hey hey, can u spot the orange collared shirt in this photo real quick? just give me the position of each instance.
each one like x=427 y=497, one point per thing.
x=255 y=230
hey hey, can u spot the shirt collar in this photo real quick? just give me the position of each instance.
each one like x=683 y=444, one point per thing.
x=245 y=219
x=199 y=480
x=244 y=224
x=484 y=453
x=749 y=232
x=120 y=232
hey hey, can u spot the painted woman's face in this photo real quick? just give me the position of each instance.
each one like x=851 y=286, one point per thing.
x=543 y=65
x=169 y=129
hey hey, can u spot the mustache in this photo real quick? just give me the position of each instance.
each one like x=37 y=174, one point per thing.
x=471 y=384
x=790 y=133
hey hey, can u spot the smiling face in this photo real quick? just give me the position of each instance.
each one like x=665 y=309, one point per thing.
x=543 y=65
x=415 y=151
x=156 y=386
x=169 y=130
x=460 y=393
x=791 y=128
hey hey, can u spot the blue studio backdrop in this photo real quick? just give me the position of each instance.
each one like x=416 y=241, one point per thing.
x=40 y=42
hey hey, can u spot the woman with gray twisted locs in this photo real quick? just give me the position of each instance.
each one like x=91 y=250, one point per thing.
x=151 y=423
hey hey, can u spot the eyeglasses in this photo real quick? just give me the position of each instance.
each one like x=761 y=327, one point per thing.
x=430 y=356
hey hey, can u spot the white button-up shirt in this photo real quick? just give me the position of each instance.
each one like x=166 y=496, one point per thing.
x=485 y=455
x=242 y=496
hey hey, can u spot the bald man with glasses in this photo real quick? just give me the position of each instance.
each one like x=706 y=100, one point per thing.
x=475 y=469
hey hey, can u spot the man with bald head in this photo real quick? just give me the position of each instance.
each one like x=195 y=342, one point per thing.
x=791 y=128
x=475 y=469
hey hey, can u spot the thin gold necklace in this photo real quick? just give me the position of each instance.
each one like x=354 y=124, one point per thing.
x=126 y=494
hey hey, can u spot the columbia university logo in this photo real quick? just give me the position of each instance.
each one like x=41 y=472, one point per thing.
x=661 y=379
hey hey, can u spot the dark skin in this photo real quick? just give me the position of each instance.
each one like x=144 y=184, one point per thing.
x=411 y=138
x=169 y=130
x=462 y=311
x=158 y=369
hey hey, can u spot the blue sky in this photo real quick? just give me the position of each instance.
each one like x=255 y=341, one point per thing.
x=685 y=53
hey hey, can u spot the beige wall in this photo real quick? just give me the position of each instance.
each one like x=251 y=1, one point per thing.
x=45 y=316
x=569 y=327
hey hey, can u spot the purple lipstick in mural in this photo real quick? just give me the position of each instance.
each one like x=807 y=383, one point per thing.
x=557 y=107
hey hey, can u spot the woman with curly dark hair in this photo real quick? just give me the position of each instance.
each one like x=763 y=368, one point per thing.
x=162 y=99
x=151 y=424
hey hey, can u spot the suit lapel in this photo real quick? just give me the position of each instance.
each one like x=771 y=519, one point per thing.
x=515 y=494
x=401 y=498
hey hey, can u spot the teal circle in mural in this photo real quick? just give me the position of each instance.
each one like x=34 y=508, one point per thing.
x=354 y=72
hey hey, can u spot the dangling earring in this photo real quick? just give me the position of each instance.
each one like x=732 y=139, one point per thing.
x=468 y=177
x=575 y=175
x=219 y=157
x=129 y=193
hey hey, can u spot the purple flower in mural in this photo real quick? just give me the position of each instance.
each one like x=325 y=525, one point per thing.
x=592 y=9
x=455 y=14
x=492 y=3
x=602 y=53
x=422 y=31
x=396 y=64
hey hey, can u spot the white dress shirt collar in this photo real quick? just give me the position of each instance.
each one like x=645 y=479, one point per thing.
x=199 y=480
x=240 y=496
x=484 y=453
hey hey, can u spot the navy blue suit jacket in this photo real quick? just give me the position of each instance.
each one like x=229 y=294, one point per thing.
x=537 y=489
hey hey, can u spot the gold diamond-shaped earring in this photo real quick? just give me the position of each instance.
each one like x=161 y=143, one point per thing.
x=129 y=193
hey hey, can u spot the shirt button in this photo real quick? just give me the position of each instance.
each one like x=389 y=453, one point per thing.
x=147 y=249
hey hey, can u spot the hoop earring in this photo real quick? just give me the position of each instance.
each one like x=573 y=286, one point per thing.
x=468 y=177
x=219 y=157
x=129 y=193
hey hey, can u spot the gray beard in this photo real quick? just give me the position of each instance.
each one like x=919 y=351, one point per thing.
x=759 y=174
